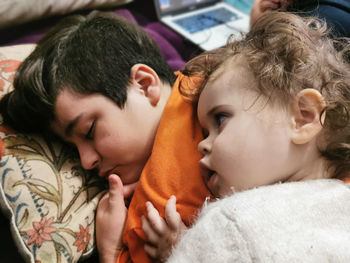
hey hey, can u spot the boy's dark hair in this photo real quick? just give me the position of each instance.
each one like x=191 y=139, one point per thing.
x=92 y=54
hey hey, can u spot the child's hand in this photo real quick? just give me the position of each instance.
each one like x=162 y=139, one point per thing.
x=162 y=234
x=261 y=6
x=110 y=220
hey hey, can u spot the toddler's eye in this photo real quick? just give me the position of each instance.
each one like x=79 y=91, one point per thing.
x=219 y=119
x=205 y=133
x=90 y=134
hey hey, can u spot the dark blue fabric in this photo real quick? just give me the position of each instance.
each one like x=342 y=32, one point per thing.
x=335 y=12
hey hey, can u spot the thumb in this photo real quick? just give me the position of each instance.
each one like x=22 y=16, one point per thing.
x=115 y=188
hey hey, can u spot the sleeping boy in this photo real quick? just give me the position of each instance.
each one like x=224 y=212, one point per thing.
x=100 y=83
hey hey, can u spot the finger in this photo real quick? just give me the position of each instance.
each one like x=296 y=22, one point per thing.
x=172 y=217
x=285 y=4
x=268 y=5
x=115 y=189
x=151 y=251
x=272 y=1
x=151 y=235
x=156 y=221
x=129 y=189
x=104 y=197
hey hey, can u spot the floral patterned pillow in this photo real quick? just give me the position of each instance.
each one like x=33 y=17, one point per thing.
x=49 y=199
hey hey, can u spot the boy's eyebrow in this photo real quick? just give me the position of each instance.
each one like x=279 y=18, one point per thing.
x=71 y=125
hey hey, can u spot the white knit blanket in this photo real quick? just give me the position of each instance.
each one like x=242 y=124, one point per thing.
x=290 y=222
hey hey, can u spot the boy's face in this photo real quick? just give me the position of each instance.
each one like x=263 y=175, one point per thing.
x=248 y=143
x=108 y=138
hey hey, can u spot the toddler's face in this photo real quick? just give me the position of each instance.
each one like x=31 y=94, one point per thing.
x=108 y=138
x=248 y=142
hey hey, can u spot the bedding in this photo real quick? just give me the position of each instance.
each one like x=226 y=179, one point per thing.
x=14 y=12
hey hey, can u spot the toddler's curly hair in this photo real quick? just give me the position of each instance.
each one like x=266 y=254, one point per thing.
x=288 y=53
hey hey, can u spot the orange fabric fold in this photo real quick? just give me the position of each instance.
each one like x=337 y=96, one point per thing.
x=172 y=169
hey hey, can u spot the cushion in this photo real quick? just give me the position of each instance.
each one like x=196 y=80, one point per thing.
x=49 y=199
x=13 y=12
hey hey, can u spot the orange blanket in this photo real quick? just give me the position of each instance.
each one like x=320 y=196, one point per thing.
x=171 y=170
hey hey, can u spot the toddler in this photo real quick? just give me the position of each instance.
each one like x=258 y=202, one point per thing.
x=275 y=109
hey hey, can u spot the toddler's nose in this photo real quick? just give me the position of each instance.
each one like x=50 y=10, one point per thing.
x=204 y=147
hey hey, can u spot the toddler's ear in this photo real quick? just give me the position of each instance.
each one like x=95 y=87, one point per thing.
x=146 y=80
x=306 y=112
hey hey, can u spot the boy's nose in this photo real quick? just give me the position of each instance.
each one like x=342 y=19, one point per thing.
x=89 y=158
x=204 y=147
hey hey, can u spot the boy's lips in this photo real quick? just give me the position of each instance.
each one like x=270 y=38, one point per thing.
x=106 y=172
x=126 y=175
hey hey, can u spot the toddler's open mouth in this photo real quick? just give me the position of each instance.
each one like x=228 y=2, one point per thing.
x=206 y=172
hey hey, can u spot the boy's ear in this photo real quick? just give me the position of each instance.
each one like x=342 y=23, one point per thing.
x=147 y=81
x=306 y=112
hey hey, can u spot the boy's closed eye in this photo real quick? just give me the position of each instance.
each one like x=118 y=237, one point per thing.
x=90 y=134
